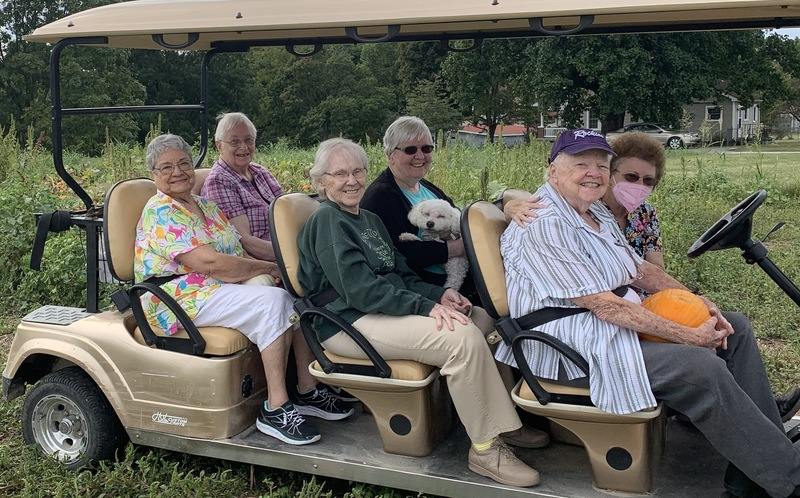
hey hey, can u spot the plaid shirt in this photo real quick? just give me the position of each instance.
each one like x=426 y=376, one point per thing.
x=236 y=195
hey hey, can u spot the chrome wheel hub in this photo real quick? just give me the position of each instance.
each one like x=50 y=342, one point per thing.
x=58 y=427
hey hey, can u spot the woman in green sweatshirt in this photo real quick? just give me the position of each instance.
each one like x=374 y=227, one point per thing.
x=404 y=318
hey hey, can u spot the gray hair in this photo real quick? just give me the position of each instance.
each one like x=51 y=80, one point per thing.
x=404 y=129
x=328 y=149
x=230 y=120
x=163 y=143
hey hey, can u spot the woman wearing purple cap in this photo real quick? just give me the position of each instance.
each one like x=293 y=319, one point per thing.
x=574 y=254
x=636 y=168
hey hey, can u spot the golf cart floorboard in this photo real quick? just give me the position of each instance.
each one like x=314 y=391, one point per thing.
x=351 y=450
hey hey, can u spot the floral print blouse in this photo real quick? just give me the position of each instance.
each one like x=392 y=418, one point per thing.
x=643 y=231
x=166 y=230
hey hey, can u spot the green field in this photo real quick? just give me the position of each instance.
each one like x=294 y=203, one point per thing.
x=700 y=186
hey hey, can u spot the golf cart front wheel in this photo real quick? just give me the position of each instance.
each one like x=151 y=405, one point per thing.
x=66 y=416
x=675 y=143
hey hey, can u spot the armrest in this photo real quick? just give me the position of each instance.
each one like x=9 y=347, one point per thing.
x=543 y=396
x=195 y=345
x=514 y=336
x=307 y=311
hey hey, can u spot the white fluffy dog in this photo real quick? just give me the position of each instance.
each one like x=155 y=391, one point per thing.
x=439 y=221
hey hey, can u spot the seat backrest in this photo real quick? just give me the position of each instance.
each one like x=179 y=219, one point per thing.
x=287 y=215
x=200 y=175
x=482 y=224
x=121 y=212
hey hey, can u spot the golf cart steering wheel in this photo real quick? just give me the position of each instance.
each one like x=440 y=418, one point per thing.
x=732 y=230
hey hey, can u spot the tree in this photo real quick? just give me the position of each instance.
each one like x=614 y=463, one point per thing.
x=89 y=78
x=430 y=103
x=649 y=76
x=417 y=61
x=326 y=95
x=785 y=96
x=480 y=82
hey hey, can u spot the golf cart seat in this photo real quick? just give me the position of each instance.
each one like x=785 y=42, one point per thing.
x=123 y=208
x=200 y=175
x=408 y=401
x=622 y=449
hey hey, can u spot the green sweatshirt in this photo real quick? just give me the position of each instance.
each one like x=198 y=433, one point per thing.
x=354 y=254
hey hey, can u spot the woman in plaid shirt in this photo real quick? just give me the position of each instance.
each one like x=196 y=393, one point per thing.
x=241 y=188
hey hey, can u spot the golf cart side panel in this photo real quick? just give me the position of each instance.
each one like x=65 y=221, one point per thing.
x=180 y=25
x=149 y=388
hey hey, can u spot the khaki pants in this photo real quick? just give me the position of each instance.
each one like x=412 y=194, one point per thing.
x=462 y=356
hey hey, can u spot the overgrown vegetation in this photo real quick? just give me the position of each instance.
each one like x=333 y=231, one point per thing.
x=699 y=187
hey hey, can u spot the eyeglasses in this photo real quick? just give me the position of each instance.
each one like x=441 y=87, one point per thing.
x=412 y=149
x=169 y=168
x=342 y=175
x=634 y=177
x=236 y=142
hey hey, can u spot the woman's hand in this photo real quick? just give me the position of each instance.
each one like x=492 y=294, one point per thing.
x=522 y=211
x=445 y=316
x=272 y=271
x=722 y=323
x=711 y=334
x=454 y=300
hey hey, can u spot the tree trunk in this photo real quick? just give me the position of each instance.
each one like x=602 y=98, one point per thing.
x=491 y=128
x=611 y=122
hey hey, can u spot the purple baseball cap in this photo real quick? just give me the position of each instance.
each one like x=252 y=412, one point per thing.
x=579 y=140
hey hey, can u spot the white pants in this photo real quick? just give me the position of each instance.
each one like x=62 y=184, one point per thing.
x=261 y=313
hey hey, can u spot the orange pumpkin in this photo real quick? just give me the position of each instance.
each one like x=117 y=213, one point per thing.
x=677 y=305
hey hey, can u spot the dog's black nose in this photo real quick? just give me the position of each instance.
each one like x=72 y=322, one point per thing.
x=429 y=224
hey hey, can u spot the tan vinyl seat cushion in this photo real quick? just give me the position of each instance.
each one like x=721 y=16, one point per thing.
x=401 y=369
x=220 y=341
x=526 y=393
x=486 y=224
x=122 y=210
x=200 y=175
x=288 y=214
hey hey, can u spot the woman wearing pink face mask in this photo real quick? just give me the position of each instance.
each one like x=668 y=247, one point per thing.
x=636 y=169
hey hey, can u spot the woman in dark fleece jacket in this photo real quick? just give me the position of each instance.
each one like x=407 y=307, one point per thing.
x=409 y=149
x=347 y=248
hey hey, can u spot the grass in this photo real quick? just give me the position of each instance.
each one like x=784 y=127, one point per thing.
x=700 y=186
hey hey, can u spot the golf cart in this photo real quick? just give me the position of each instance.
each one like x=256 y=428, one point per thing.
x=101 y=376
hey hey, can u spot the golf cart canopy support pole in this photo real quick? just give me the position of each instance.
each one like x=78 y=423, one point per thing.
x=59 y=111
x=91 y=220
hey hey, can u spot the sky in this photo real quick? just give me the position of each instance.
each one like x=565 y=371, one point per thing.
x=790 y=32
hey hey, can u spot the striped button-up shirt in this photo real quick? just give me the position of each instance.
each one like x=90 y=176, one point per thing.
x=556 y=258
x=236 y=195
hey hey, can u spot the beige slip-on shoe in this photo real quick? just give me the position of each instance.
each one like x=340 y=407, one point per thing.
x=498 y=462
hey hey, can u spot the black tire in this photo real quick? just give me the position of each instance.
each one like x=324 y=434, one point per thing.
x=674 y=143
x=65 y=415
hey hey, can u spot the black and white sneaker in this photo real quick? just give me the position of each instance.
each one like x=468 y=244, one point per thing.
x=342 y=394
x=320 y=402
x=286 y=424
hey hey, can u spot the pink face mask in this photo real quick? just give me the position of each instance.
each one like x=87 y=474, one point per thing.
x=630 y=195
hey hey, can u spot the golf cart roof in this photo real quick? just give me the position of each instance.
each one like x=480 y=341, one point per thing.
x=205 y=24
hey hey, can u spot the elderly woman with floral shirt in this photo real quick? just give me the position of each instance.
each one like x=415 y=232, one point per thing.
x=189 y=237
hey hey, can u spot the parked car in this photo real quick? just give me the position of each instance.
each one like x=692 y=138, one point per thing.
x=670 y=139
